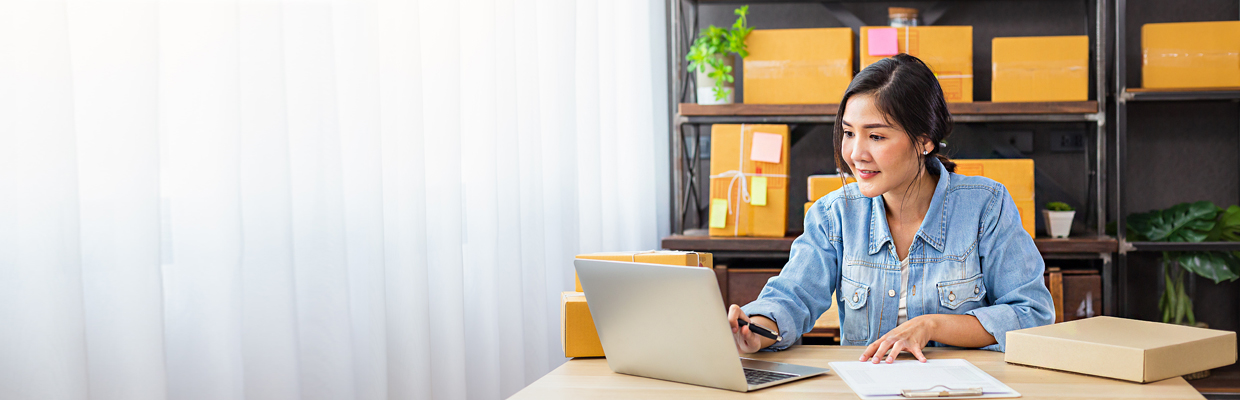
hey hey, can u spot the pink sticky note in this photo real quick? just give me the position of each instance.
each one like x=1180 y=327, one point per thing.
x=883 y=42
x=767 y=147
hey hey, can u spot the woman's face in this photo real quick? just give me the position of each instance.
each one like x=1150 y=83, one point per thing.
x=880 y=154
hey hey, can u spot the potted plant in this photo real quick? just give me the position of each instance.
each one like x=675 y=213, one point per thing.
x=711 y=57
x=1058 y=216
x=1189 y=222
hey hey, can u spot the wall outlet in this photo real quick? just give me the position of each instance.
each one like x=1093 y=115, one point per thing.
x=1067 y=142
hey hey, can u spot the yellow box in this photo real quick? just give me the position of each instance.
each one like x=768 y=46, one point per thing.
x=1048 y=68
x=1190 y=54
x=1026 y=208
x=578 y=337
x=1016 y=174
x=948 y=50
x=731 y=168
x=686 y=258
x=798 y=66
x=822 y=185
x=831 y=318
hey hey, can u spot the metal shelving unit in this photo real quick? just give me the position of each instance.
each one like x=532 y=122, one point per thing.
x=1128 y=95
x=688 y=118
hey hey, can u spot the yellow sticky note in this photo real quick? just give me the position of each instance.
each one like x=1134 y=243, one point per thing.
x=718 y=213
x=757 y=191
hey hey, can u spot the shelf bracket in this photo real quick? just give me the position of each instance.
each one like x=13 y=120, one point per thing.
x=845 y=17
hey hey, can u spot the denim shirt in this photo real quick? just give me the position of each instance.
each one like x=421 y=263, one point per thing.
x=970 y=256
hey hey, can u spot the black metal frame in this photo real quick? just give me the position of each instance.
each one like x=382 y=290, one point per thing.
x=687 y=169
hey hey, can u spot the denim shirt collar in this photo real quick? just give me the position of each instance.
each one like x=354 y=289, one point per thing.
x=933 y=228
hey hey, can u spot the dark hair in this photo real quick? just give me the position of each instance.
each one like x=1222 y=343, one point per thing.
x=907 y=93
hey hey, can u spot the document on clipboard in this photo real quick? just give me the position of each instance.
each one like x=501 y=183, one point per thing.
x=952 y=378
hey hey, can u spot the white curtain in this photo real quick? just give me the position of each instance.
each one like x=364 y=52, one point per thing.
x=363 y=199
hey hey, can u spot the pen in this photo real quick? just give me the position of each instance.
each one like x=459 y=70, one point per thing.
x=760 y=330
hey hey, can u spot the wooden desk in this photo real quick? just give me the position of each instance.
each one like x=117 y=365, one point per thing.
x=590 y=378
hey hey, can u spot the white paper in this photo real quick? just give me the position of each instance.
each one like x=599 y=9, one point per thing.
x=882 y=379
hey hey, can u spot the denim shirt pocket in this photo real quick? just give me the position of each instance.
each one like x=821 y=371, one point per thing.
x=856 y=324
x=953 y=294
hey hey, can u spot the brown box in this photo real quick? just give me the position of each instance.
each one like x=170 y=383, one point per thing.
x=798 y=66
x=685 y=258
x=1190 y=54
x=732 y=171
x=947 y=50
x=1132 y=350
x=577 y=335
x=1044 y=68
x=822 y=185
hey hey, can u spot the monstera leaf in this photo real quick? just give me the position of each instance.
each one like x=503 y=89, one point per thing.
x=1184 y=222
x=1216 y=266
x=1227 y=229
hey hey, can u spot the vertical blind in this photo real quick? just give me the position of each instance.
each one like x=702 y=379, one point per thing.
x=363 y=199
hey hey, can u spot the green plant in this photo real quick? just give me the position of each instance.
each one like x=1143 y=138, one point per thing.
x=1189 y=222
x=715 y=43
x=1058 y=206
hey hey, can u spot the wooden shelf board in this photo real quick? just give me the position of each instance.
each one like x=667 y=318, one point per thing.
x=823 y=333
x=974 y=108
x=784 y=244
x=1166 y=90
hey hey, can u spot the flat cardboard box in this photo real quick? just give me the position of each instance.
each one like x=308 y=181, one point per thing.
x=1026 y=210
x=822 y=185
x=730 y=155
x=1190 y=54
x=947 y=50
x=666 y=257
x=1047 y=68
x=1131 y=350
x=578 y=337
x=798 y=66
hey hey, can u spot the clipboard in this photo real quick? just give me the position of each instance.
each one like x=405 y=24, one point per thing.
x=912 y=379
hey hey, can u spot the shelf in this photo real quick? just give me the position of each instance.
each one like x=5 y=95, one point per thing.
x=738 y=246
x=981 y=111
x=823 y=333
x=1180 y=246
x=1182 y=94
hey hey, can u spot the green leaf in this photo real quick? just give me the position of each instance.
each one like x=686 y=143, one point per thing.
x=1215 y=266
x=1227 y=228
x=1185 y=222
x=1058 y=206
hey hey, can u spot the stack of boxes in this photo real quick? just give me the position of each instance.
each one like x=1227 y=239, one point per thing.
x=577 y=334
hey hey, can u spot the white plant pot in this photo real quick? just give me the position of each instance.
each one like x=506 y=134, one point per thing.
x=706 y=85
x=1058 y=223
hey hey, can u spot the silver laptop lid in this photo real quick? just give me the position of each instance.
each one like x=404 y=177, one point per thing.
x=662 y=321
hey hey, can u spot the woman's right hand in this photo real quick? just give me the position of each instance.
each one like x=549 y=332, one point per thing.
x=746 y=341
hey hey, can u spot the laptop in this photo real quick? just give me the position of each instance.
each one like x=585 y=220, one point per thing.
x=669 y=322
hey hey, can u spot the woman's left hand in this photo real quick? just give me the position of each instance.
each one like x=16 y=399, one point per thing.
x=910 y=336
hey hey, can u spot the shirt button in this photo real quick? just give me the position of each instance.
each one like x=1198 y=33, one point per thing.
x=891 y=293
x=951 y=296
x=856 y=298
x=976 y=290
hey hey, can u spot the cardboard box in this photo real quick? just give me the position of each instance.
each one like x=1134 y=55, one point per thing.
x=948 y=50
x=578 y=337
x=686 y=258
x=1132 y=350
x=1048 y=68
x=829 y=319
x=1016 y=174
x=822 y=185
x=732 y=171
x=798 y=66
x=1026 y=210
x=1190 y=54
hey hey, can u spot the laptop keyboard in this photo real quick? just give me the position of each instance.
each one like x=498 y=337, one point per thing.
x=758 y=377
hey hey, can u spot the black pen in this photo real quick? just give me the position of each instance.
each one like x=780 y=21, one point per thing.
x=759 y=329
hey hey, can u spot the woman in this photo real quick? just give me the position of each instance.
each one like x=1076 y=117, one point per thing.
x=916 y=254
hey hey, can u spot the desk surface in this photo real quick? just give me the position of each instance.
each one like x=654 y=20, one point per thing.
x=589 y=378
